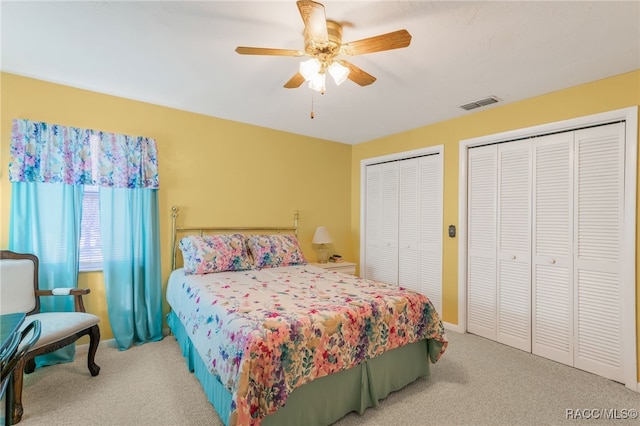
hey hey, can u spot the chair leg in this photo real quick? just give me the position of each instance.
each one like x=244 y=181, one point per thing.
x=94 y=340
x=17 y=391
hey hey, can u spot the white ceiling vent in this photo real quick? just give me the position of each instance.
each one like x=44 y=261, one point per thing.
x=480 y=103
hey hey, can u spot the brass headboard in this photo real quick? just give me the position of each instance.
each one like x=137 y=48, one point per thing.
x=217 y=229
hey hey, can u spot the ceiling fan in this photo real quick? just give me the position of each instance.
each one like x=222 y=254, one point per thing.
x=323 y=43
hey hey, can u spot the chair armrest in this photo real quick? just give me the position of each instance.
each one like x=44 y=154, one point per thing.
x=76 y=292
x=64 y=292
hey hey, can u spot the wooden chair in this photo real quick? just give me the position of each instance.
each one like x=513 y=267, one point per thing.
x=19 y=292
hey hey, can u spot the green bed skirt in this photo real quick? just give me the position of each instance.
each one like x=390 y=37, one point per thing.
x=327 y=399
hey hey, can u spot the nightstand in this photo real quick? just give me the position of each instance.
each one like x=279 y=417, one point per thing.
x=344 y=267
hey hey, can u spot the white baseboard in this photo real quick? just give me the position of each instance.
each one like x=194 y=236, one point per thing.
x=453 y=327
x=84 y=348
x=111 y=343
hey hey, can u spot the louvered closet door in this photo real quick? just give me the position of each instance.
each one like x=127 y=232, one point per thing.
x=514 y=245
x=388 y=262
x=408 y=260
x=430 y=230
x=373 y=222
x=552 y=272
x=481 y=264
x=598 y=224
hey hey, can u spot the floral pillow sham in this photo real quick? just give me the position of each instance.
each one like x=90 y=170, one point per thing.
x=272 y=251
x=205 y=254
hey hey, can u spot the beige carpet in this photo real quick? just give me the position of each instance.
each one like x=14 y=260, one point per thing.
x=477 y=382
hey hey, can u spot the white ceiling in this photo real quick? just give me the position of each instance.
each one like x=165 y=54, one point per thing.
x=181 y=54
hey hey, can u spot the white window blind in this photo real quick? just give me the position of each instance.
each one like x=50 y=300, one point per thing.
x=90 y=241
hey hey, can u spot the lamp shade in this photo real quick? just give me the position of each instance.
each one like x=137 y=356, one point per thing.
x=321 y=236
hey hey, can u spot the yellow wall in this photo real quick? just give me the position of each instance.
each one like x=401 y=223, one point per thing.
x=226 y=173
x=599 y=96
x=219 y=172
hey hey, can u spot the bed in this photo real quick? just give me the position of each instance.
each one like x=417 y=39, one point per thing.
x=274 y=340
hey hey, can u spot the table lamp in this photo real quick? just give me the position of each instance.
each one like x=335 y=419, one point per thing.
x=322 y=238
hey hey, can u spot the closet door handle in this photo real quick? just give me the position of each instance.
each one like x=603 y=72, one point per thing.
x=513 y=257
x=553 y=261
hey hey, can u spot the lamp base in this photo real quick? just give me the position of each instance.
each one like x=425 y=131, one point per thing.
x=323 y=254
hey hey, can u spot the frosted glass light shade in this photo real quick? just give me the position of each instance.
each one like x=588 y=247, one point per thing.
x=314 y=72
x=310 y=68
x=338 y=72
x=321 y=236
x=317 y=82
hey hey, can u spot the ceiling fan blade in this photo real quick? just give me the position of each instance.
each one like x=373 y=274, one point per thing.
x=315 y=20
x=358 y=75
x=266 y=51
x=393 y=40
x=294 y=81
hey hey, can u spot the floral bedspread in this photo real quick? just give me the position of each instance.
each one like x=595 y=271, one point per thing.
x=266 y=332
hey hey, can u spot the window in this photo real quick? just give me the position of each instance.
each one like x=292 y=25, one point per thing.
x=90 y=240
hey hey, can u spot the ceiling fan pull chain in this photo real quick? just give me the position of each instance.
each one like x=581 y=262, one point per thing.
x=312 y=113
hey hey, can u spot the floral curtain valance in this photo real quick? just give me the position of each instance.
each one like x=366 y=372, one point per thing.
x=51 y=153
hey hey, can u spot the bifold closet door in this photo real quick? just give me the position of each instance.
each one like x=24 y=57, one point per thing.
x=513 y=275
x=403 y=221
x=381 y=220
x=420 y=227
x=552 y=270
x=598 y=226
x=430 y=228
x=373 y=221
x=546 y=223
x=481 y=241
x=408 y=236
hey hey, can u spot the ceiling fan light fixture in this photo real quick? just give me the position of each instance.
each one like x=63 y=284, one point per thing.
x=310 y=68
x=317 y=82
x=339 y=72
x=323 y=43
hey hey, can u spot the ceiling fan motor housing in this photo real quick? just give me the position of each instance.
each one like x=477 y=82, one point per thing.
x=324 y=50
